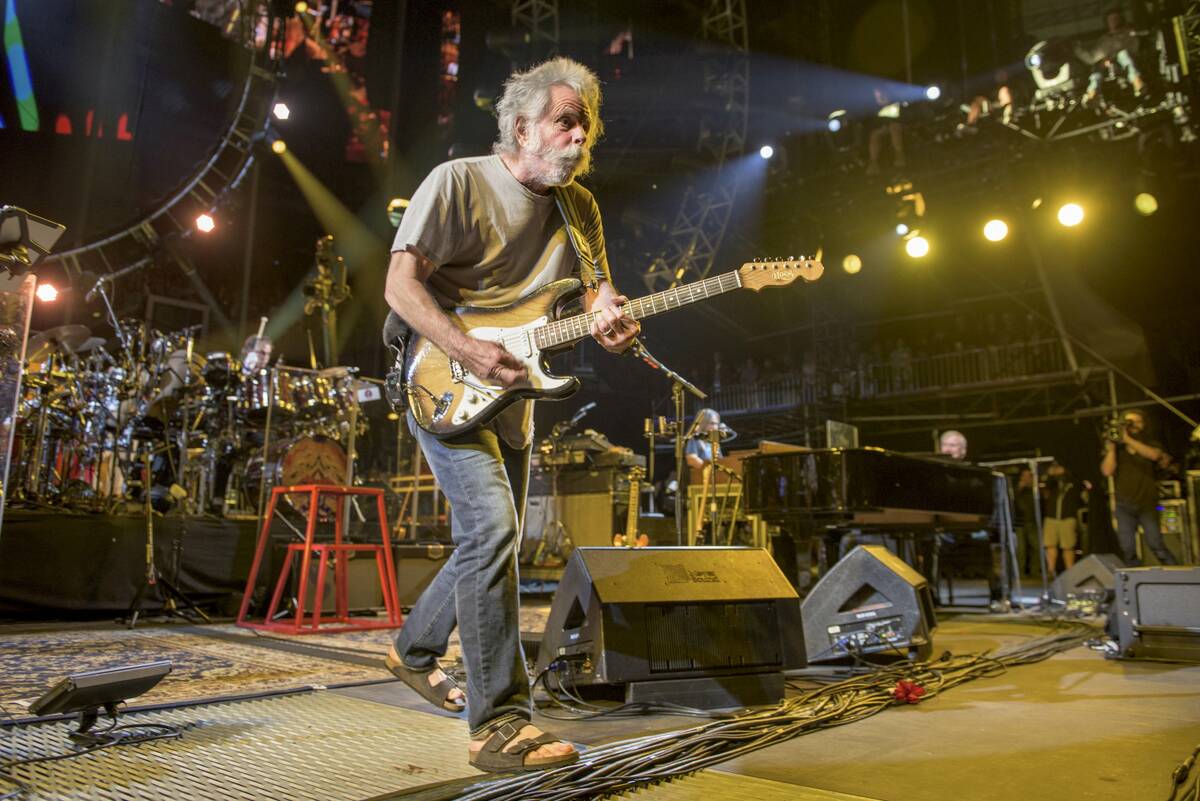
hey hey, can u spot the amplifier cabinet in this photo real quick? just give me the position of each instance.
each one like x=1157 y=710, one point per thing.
x=580 y=480
x=1156 y=613
x=590 y=518
x=416 y=564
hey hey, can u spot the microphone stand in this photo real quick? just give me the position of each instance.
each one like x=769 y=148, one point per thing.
x=678 y=385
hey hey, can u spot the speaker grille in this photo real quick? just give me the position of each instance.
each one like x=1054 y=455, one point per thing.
x=681 y=637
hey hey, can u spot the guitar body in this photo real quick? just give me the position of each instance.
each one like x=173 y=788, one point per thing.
x=448 y=400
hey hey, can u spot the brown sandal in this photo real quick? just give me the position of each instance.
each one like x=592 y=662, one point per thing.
x=436 y=694
x=493 y=757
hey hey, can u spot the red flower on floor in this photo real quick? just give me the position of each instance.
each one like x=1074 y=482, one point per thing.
x=908 y=692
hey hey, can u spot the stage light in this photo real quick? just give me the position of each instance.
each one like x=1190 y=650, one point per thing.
x=1035 y=59
x=205 y=223
x=1145 y=203
x=1070 y=214
x=835 y=125
x=836 y=120
x=281 y=111
x=279 y=147
x=995 y=230
x=766 y=151
x=851 y=263
x=933 y=92
x=901 y=229
x=301 y=7
x=46 y=293
x=105 y=689
x=917 y=247
x=395 y=209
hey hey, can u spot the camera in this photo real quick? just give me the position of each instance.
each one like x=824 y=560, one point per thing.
x=1114 y=429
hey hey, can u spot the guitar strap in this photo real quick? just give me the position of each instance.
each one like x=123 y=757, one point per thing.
x=589 y=270
x=396 y=331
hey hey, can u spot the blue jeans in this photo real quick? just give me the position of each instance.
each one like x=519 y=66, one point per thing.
x=485 y=481
x=1128 y=518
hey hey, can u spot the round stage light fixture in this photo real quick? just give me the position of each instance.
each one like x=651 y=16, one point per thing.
x=851 y=263
x=395 y=210
x=1070 y=214
x=47 y=293
x=301 y=7
x=917 y=247
x=766 y=151
x=205 y=223
x=279 y=147
x=933 y=91
x=1145 y=203
x=995 y=230
x=901 y=229
x=835 y=125
x=281 y=111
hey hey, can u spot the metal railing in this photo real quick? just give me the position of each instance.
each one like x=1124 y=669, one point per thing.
x=900 y=375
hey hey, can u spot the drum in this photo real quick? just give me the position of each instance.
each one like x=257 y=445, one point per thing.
x=316 y=395
x=301 y=460
x=271 y=389
x=221 y=370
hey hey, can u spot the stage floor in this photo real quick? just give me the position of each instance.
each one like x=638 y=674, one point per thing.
x=1075 y=726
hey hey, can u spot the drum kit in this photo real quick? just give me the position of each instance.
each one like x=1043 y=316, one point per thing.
x=201 y=432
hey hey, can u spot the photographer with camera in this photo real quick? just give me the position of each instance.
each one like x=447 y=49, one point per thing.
x=1130 y=460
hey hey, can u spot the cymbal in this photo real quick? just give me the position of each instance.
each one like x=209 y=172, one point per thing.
x=91 y=344
x=67 y=338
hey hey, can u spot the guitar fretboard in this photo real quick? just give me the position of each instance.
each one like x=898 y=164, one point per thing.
x=573 y=329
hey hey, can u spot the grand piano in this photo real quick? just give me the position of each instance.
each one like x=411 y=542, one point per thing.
x=867 y=487
x=816 y=496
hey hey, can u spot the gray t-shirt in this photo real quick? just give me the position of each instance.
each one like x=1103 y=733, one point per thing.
x=493 y=242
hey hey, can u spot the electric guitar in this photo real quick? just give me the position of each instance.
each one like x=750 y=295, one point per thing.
x=631 y=537
x=446 y=399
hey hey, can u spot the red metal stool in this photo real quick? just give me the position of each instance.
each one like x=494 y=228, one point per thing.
x=340 y=552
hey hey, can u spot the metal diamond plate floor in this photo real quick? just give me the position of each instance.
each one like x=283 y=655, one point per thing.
x=314 y=746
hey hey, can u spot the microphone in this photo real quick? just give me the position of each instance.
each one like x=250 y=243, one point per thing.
x=108 y=278
x=91 y=293
x=583 y=410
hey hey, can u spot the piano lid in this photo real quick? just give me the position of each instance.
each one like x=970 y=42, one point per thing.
x=837 y=481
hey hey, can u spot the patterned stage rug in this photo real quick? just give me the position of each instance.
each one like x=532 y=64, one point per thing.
x=208 y=661
x=205 y=665
x=376 y=641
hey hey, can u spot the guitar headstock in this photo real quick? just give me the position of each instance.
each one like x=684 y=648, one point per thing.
x=778 y=272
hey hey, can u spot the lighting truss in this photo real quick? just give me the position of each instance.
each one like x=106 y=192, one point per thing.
x=699 y=226
x=540 y=19
x=220 y=173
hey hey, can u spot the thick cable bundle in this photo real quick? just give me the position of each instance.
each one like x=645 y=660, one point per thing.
x=622 y=766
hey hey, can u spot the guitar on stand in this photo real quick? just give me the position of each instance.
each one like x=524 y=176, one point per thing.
x=630 y=537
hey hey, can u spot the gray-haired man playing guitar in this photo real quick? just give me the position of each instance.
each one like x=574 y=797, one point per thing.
x=486 y=232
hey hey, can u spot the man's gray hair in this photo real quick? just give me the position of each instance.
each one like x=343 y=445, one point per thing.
x=527 y=96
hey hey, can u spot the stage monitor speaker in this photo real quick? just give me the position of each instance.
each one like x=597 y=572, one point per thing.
x=1156 y=613
x=870 y=602
x=704 y=627
x=1089 y=584
x=417 y=564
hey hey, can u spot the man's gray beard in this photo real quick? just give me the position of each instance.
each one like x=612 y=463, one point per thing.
x=554 y=167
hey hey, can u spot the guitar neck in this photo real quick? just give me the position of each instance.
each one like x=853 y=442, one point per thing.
x=570 y=330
